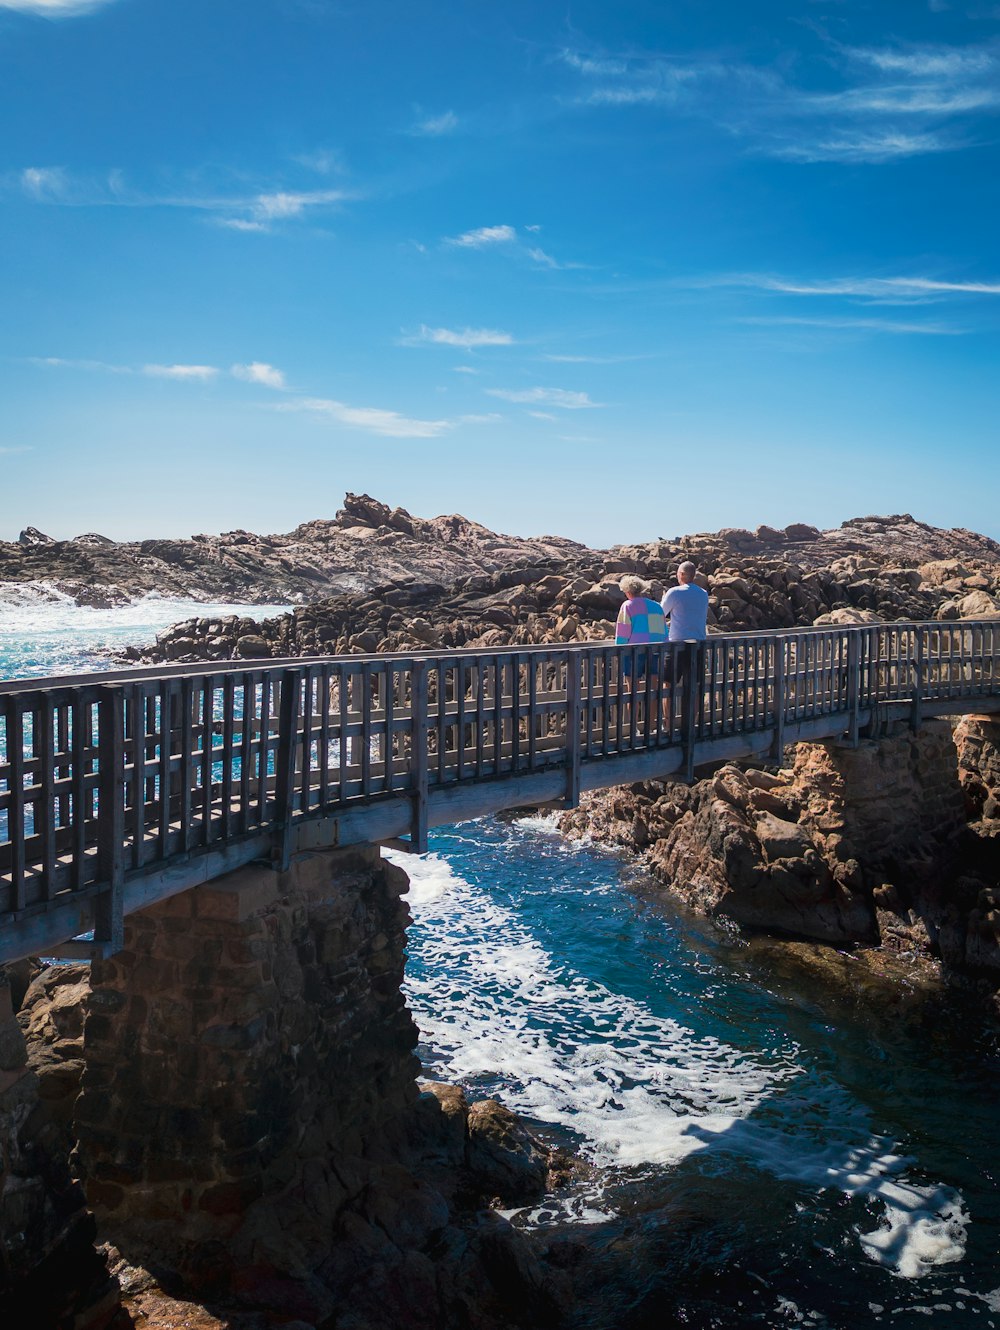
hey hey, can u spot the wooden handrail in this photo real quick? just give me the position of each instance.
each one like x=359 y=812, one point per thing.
x=109 y=779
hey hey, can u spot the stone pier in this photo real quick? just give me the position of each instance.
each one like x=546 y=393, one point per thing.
x=246 y=1053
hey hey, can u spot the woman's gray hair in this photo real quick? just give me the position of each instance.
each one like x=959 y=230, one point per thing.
x=632 y=585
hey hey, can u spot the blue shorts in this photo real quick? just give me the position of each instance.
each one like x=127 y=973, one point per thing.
x=640 y=664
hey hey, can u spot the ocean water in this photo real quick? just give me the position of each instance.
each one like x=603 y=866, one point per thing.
x=774 y=1136
x=47 y=637
x=775 y=1140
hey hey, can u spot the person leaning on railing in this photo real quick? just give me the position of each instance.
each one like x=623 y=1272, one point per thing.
x=641 y=622
x=685 y=606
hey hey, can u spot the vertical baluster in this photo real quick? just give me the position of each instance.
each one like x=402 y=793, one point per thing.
x=80 y=797
x=249 y=694
x=207 y=758
x=515 y=711
x=390 y=698
x=366 y=729
x=442 y=721
x=137 y=709
x=166 y=745
x=344 y=743
x=263 y=747
x=43 y=749
x=228 y=759
x=497 y=714
x=187 y=761
x=459 y=677
x=15 y=814
x=480 y=717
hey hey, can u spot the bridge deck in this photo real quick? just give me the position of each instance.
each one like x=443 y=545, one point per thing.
x=117 y=790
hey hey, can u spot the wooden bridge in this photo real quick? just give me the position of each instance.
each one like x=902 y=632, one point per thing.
x=120 y=789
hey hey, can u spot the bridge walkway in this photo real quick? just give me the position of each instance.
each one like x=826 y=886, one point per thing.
x=120 y=789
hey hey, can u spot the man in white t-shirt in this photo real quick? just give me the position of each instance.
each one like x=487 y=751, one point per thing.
x=686 y=611
x=686 y=607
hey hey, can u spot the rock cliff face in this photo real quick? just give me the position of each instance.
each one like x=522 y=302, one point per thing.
x=365 y=545
x=869 y=846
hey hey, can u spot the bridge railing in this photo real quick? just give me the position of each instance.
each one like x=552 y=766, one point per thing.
x=104 y=779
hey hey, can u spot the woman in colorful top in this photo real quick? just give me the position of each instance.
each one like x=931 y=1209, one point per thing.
x=641 y=622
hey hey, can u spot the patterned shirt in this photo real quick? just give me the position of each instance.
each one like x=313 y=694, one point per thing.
x=640 y=620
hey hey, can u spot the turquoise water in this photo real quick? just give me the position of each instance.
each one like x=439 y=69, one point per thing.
x=775 y=1144
x=774 y=1140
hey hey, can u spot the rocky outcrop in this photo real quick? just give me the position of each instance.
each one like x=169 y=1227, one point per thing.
x=364 y=546
x=50 y=1272
x=877 y=569
x=866 y=846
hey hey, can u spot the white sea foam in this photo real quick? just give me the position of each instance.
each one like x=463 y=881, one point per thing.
x=500 y=1014
x=44 y=635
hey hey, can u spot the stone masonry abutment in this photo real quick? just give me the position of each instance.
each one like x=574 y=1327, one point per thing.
x=245 y=1051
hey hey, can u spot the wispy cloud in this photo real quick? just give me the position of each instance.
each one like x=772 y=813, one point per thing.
x=54 y=8
x=858 y=325
x=255 y=371
x=542 y=415
x=377 y=420
x=260 y=211
x=882 y=290
x=509 y=239
x=11 y=451
x=45 y=183
x=483 y=237
x=259 y=372
x=558 y=397
x=435 y=126
x=464 y=369
x=58 y=362
x=324 y=161
x=602 y=360
x=894 y=101
x=467 y=339
x=185 y=373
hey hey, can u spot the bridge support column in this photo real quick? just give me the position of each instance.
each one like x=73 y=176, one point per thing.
x=242 y=1053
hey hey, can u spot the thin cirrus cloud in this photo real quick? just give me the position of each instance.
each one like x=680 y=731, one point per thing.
x=894 y=102
x=184 y=373
x=378 y=420
x=857 y=325
x=262 y=211
x=483 y=237
x=504 y=237
x=878 y=290
x=259 y=372
x=256 y=371
x=466 y=339
x=54 y=8
x=435 y=126
x=556 y=397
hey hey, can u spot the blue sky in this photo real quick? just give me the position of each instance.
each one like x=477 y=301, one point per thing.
x=609 y=271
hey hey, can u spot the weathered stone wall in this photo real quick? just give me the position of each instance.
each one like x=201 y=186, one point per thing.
x=840 y=847
x=243 y=1053
x=50 y=1273
x=978 y=741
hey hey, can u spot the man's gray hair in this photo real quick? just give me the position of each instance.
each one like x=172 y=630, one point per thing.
x=687 y=568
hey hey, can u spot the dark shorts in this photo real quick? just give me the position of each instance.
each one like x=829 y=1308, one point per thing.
x=640 y=663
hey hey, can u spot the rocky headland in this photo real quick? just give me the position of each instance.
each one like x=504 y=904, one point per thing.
x=868 y=569
x=365 y=545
